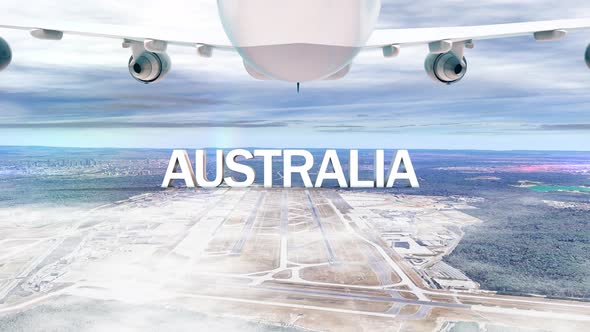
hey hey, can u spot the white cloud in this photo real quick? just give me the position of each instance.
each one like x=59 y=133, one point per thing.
x=510 y=82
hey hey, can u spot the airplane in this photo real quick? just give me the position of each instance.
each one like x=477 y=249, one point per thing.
x=308 y=40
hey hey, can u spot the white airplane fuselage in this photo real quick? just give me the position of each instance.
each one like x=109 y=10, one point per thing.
x=298 y=40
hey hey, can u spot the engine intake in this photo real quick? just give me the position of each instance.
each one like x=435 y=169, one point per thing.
x=149 y=67
x=445 y=68
x=587 y=57
x=5 y=54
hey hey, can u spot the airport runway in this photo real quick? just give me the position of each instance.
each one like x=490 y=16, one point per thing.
x=297 y=250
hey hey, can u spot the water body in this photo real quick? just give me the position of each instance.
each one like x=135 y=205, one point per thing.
x=545 y=189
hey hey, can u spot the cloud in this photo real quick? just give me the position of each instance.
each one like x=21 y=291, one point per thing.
x=165 y=125
x=82 y=83
x=566 y=127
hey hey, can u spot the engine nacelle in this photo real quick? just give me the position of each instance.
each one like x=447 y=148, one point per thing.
x=149 y=67
x=5 y=54
x=587 y=57
x=445 y=68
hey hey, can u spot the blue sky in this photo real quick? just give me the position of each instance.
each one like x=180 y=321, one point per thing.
x=518 y=94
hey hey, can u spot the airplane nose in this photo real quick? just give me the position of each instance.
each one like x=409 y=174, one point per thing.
x=288 y=41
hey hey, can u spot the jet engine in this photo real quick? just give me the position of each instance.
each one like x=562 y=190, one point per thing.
x=587 y=57
x=5 y=54
x=445 y=68
x=149 y=67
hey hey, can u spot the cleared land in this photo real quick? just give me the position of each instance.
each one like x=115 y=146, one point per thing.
x=319 y=259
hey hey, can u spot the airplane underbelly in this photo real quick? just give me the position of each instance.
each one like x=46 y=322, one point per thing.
x=298 y=40
x=298 y=62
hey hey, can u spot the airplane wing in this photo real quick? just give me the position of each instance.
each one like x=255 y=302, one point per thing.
x=446 y=62
x=145 y=67
x=124 y=34
x=541 y=30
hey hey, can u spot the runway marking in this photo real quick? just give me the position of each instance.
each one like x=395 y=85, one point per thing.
x=316 y=217
x=366 y=297
x=222 y=223
x=247 y=230
x=405 y=279
x=284 y=230
x=289 y=305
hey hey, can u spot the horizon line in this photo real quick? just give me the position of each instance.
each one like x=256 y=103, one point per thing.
x=291 y=148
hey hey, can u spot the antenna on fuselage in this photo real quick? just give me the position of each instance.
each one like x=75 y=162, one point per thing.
x=297 y=87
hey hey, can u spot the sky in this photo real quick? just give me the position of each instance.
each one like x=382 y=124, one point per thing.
x=518 y=94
